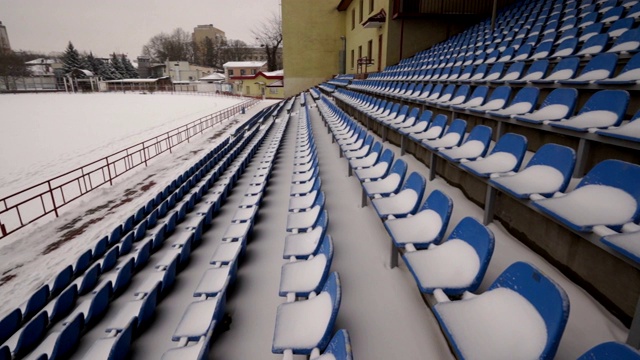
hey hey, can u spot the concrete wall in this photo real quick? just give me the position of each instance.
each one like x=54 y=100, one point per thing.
x=311 y=31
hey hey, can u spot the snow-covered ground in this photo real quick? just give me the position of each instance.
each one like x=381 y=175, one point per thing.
x=381 y=307
x=45 y=135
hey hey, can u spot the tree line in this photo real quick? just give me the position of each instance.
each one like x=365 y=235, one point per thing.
x=114 y=68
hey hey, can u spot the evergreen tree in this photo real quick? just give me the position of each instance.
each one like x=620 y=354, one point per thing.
x=132 y=73
x=118 y=66
x=71 y=59
x=110 y=70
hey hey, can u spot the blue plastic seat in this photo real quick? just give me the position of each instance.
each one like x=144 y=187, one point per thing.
x=497 y=100
x=379 y=169
x=479 y=73
x=304 y=221
x=567 y=24
x=453 y=136
x=522 y=54
x=522 y=103
x=339 y=348
x=32 y=333
x=552 y=162
x=603 y=109
x=10 y=324
x=590 y=31
x=36 y=302
x=456 y=98
x=62 y=280
x=559 y=104
x=506 y=155
x=426 y=227
x=630 y=74
x=406 y=202
x=634 y=12
x=112 y=346
x=468 y=249
x=476 y=98
x=564 y=69
x=316 y=270
x=628 y=42
x=611 y=350
x=409 y=120
x=388 y=185
x=565 y=48
x=599 y=68
x=64 y=342
x=594 y=45
x=445 y=95
x=612 y=14
x=525 y=289
x=302 y=334
x=629 y=131
x=542 y=51
x=64 y=303
x=475 y=145
x=590 y=18
x=421 y=124
x=607 y=195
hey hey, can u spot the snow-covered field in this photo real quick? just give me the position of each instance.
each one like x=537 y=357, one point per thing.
x=381 y=308
x=44 y=135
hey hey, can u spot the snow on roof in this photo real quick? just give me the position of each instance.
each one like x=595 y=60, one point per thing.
x=214 y=76
x=40 y=61
x=136 y=80
x=244 y=64
x=277 y=83
x=274 y=73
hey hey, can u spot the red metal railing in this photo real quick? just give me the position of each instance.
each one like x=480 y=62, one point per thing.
x=28 y=205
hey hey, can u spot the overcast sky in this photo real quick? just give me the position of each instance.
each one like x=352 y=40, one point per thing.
x=123 y=26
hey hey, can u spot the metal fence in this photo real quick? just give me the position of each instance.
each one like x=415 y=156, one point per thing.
x=46 y=198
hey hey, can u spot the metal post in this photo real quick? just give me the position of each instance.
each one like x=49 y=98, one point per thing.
x=393 y=260
x=402 y=145
x=432 y=166
x=489 y=205
x=363 y=202
x=633 y=339
x=581 y=157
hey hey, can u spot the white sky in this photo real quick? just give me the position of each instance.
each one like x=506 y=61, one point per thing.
x=123 y=26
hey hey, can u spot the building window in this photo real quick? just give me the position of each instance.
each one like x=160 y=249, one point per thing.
x=353 y=63
x=253 y=71
x=230 y=72
x=353 y=19
x=242 y=72
x=369 y=49
x=371 y=5
x=360 y=52
x=361 y=10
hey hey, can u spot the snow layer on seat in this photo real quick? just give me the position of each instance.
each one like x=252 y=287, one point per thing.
x=302 y=202
x=303 y=220
x=302 y=324
x=551 y=112
x=592 y=205
x=226 y=252
x=213 y=281
x=398 y=204
x=536 y=179
x=198 y=318
x=447 y=140
x=386 y=185
x=627 y=244
x=423 y=227
x=469 y=149
x=495 y=163
x=591 y=119
x=303 y=244
x=499 y=324
x=302 y=276
x=453 y=264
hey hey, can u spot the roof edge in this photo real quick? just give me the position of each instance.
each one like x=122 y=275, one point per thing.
x=344 y=4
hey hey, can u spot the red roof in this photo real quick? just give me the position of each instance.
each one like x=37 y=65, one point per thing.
x=259 y=73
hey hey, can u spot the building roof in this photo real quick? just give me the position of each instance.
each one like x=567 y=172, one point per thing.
x=273 y=73
x=279 y=75
x=214 y=77
x=245 y=64
x=277 y=83
x=137 y=80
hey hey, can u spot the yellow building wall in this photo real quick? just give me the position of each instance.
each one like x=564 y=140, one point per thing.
x=311 y=31
x=358 y=37
x=253 y=87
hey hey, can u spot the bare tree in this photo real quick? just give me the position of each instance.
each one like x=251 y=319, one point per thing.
x=12 y=67
x=176 y=46
x=234 y=50
x=269 y=36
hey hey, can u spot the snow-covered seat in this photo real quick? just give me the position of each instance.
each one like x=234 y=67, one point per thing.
x=594 y=45
x=29 y=336
x=377 y=170
x=564 y=69
x=408 y=121
x=628 y=42
x=608 y=195
x=452 y=137
x=62 y=304
x=599 y=68
x=476 y=98
x=389 y=184
x=303 y=245
x=305 y=188
x=405 y=203
x=112 y=346
x=626 y=243
x=304 y=202
x=227 y=252
x=360 y=148
x=611 y=350
x=339 y=347
x=603 y=109
x=199 y=317
x=496 y=101
x=629 y=131
x=10 y=324
x=191 y=350
x=427 y=226
x=548 y=171
x=302 y=326
x=363 y=160
x=457 y=264
x=506 y=155
x=59 y=344
x=557 y=105
x=475 y=145
x=630 y=74
x=523 y=312
x=433 y=131
x=303 y=221
x=300 y=278
x=215 y=280
x=419 y=125
x=139 y=310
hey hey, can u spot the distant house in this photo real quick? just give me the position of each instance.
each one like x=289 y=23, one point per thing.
x=243 y=68
x=150 y=85
x=178 y=71
x=269 y=85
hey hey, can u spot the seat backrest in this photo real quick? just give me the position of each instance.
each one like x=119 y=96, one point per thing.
x=514 y=144
x=611 y=350
x=68 y=339
x=543 y=50
x=526 y=94
x=10 y=324
x=500 y=93
x=64 y=303
x=36 y=302
x=566 y=48
x=442 y=204
x=481 y=239
x=612 y=14
x=564 y=96
x=560 y=157
x=548 y=298
x=399 y=167
x=615 y=101
x=340 y=346
x=31 y=334
x=99 y=303
x=462 y=91
x=616 y=173
x=568 y=65
x=479 y=92
x=387 y=156
x=628 y=41
x=480 y=133
x=594 y=44
x=523 y=53
x=457 y=126
x=605 y=62
x=590 y=31
x=417 y=183
x=62 y=280
x=481 y=71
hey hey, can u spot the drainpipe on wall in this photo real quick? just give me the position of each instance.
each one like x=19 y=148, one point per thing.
x=342 y=66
